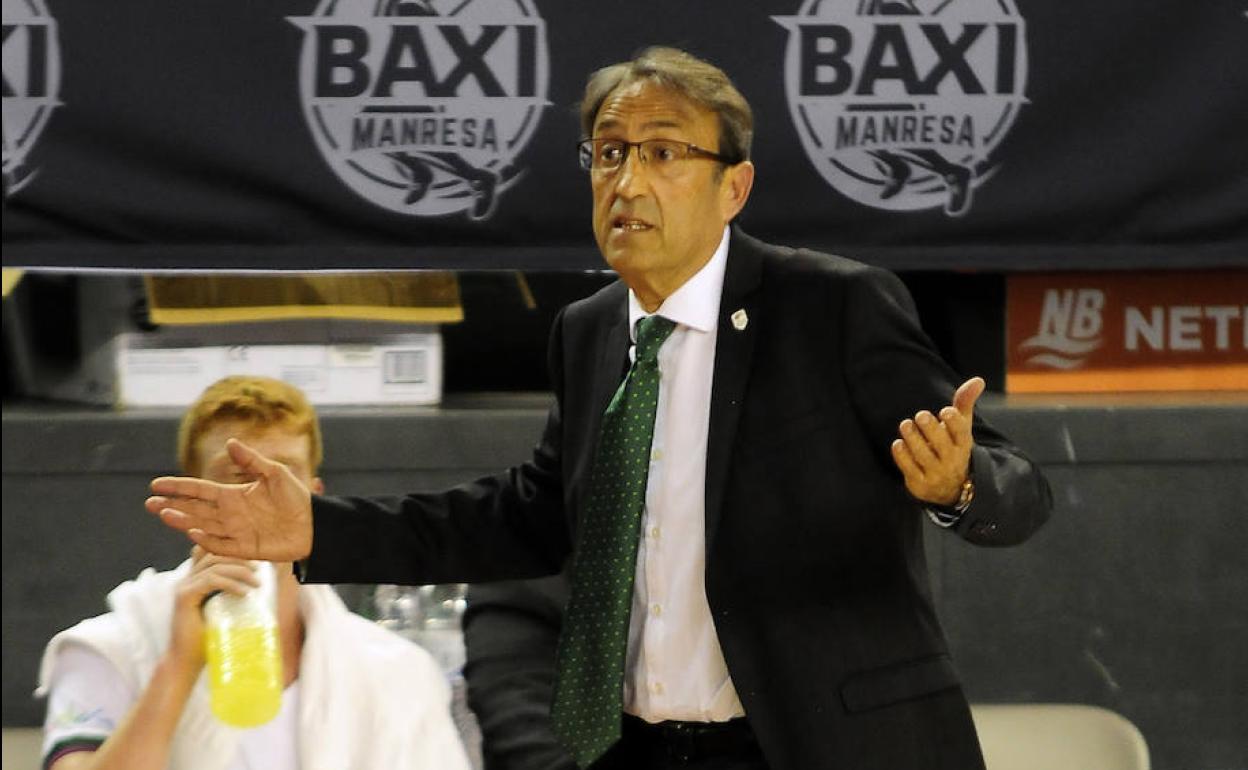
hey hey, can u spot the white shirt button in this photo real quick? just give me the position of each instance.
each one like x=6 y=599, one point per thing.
x=656 y=688
x=654 y=533
x=656 y=610
x=656 y=454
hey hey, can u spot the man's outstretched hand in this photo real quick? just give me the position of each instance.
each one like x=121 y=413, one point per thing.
x=934 y=455
x=269 y=518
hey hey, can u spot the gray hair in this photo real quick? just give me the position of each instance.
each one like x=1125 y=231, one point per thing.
x=701 y=82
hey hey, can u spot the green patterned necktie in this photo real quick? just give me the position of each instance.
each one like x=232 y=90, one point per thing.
x=589 y=685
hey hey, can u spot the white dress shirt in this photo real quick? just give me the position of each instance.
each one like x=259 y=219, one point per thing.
x=675 y=668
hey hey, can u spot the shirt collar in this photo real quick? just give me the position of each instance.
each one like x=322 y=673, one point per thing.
x=696 y=303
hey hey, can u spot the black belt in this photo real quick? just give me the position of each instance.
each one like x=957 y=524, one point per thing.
x=686 y=741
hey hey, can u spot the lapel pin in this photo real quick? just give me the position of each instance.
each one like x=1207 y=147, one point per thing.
x=740 y=320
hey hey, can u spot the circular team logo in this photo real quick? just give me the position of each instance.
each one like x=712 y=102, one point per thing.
x=32 y=84
x=421 y=106
x=900 y=103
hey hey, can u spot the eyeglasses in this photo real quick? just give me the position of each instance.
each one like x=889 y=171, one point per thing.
x=664 y=156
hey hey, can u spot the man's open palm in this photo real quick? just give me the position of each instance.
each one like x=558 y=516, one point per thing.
x=269 y=518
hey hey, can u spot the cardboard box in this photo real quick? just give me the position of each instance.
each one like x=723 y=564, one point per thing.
x=402 y=366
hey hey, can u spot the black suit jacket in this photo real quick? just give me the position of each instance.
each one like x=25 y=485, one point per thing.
x=511 y=634
x=815 y=570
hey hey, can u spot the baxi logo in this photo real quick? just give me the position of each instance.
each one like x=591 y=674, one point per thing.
x=900 y=103
x=32 y=84
x=420 y=106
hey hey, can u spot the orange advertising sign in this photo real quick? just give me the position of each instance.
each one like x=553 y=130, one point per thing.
x=1127 y=331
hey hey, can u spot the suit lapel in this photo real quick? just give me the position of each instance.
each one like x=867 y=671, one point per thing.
x=611 y=365
x=597 y=368
x=734 y=350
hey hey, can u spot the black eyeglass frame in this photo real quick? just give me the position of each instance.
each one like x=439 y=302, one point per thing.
x=585 y=152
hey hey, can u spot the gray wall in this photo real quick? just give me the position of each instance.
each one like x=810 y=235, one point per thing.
x=1132 y=598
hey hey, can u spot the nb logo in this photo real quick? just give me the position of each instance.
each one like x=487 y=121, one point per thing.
x=1071 y=321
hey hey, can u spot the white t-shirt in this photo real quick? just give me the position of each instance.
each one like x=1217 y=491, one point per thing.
x=89 y=698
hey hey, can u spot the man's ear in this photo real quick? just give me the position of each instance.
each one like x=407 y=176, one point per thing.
x=735 y=189
x=317 y=487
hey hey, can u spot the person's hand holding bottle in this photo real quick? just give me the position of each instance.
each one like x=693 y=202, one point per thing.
x=209 y=574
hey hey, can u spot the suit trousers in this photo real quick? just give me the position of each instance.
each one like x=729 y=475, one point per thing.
x=684 y=746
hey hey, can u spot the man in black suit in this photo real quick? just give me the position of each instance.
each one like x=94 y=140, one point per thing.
x=804 y=430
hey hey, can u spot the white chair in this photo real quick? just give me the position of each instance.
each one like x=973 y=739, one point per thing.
x=1057 y=736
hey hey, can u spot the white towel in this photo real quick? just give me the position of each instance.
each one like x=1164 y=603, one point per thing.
x=371 y=699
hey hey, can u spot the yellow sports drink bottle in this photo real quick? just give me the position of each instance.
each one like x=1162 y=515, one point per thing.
x=243 y=654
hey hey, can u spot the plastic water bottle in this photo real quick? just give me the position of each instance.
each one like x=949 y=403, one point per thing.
x=441 y=624
x=432 y=616
x=243 y=653
x=397 y=608
x=442 y=634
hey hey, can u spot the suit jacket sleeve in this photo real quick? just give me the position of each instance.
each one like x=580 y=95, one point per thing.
x=511 y=632
x=510 y=525
x=894 y=371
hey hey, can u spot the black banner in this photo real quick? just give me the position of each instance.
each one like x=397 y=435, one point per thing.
x=997 y=134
